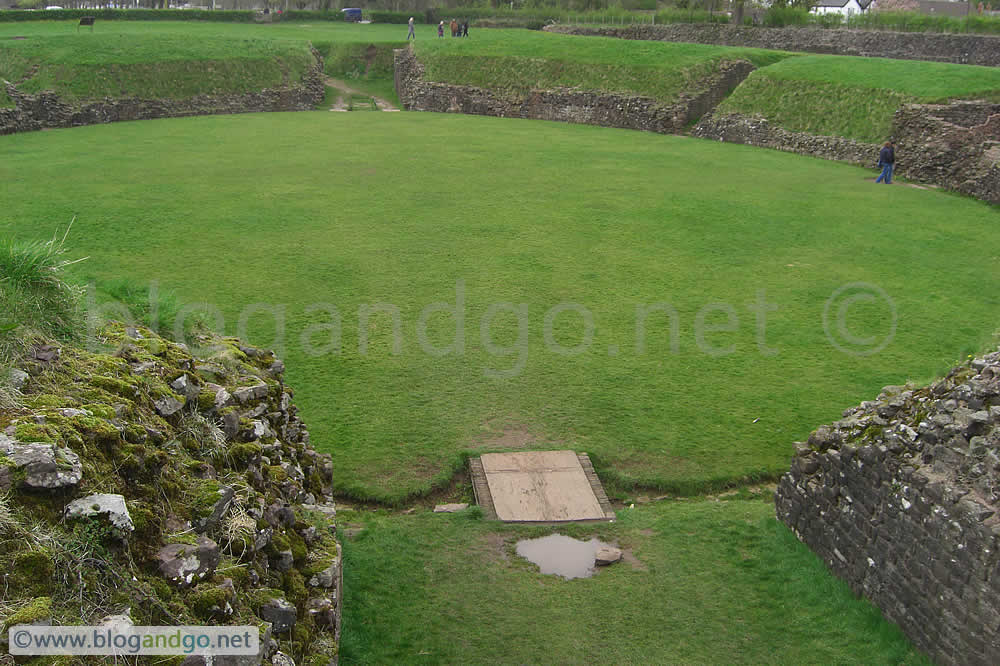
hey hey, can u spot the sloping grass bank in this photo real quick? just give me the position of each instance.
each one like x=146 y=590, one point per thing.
x=518 y=61
x=82 y=67
x=714 y=582
x=853 y=97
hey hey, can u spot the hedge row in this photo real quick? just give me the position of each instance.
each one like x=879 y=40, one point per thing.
x=536 y=17
x=779 y=17
x=540 y=16
x=12 y=15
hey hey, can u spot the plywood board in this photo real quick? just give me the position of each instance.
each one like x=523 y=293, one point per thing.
x=540 y=486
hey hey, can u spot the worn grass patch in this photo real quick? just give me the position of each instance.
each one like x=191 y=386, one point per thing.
x=713 y=582
x=295 y=215
x=854 y=97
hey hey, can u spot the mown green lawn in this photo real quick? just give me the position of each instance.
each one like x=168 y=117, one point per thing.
x=854 y=97
x=535 y=228
x=715 y=582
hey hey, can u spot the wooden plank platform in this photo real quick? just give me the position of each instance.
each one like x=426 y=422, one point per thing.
x=539 y=486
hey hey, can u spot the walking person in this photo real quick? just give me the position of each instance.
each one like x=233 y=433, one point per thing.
x=454 y=28
x=410 y=33
x=441 y=29
x=886 y=160
x=465 y=28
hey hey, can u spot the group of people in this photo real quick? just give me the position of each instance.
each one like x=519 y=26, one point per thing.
x=457 y=29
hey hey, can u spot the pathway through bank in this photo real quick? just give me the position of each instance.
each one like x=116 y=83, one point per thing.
x=346 y=92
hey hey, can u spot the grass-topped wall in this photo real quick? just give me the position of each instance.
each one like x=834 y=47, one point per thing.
x=87 y=67
x=518 y=61
x=854 y=97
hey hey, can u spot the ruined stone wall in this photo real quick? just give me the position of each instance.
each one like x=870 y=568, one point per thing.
x=591 y=108
x=736 y=128
x=956 y=146
x=47 y=110
x=193 y=473
x=940 y=47
x=899 y=498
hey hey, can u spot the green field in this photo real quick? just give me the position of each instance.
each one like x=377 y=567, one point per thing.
x=561 y=223
x=715 y=582
x=854 y=97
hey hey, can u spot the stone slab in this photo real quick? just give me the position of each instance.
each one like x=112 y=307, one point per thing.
x=540 y=486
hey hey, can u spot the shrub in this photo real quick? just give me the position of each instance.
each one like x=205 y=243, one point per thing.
x=380 y=16
x=779 y=17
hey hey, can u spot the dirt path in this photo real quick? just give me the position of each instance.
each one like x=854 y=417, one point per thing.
x=347 y=91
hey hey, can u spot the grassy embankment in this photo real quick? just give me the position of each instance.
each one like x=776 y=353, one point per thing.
x=854 y=97
x=180 y=59
x=517 y=61
x=715 y=582
x=295 y=211
x=177 y=60
x=82 y=67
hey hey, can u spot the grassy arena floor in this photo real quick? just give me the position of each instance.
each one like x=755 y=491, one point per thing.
x=714 y=582
x=311 y=210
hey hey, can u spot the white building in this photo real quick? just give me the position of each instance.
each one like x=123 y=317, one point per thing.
x=843 y=7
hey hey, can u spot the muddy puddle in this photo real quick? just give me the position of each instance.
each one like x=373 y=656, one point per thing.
x=561 y=555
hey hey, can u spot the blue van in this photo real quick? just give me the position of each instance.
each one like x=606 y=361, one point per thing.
x=352 y=14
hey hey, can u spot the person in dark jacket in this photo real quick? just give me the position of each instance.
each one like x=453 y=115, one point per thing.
x=886 y=160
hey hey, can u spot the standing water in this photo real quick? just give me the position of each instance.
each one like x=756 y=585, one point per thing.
x=561 y=555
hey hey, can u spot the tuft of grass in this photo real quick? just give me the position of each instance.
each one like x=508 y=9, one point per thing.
x=206 y=433
x=35 y=297
x=146 y=303
x=8 y=520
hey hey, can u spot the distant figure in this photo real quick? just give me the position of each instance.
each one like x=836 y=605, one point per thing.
x=410 y=33
x=454 y=28
x=465 y=28
x=886 y=160
x=441 y=29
